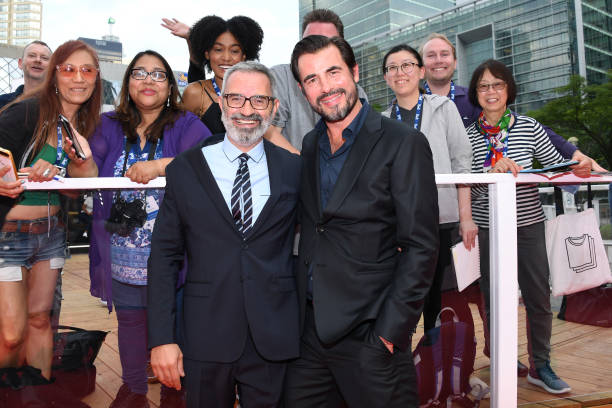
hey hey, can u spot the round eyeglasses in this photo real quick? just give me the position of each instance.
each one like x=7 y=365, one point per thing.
x=406 y=67
x=258 y=102
x=140 y=75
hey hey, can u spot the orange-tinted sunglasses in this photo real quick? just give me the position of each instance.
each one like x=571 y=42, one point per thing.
x=88 y=71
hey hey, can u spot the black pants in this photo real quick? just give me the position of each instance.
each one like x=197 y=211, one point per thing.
x=259 y=382
x=357 y=371
x=533 y=279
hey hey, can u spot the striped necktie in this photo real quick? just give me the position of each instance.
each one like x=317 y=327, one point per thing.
x=242 y=204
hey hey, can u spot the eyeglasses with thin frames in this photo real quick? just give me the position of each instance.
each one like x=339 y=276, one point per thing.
x=496 y=86
x=406 y=67
x=140 y=75
x=88 y=71
x=258 y=102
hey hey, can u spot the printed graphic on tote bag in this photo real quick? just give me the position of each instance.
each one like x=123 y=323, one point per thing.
x=581 y=253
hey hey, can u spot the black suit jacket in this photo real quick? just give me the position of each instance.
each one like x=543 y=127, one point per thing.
x=232 y=284
x=385 y=197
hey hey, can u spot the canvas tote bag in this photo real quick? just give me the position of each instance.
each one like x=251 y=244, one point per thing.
x=576 y=254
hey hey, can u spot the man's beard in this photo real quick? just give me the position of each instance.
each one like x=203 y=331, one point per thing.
x=338 y=112
x=245 y=136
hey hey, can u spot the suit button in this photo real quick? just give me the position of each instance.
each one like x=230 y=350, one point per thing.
x=245 y=246
x=319 y=229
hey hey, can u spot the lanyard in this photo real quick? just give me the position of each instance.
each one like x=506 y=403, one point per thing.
x=451 y=94
x=216 y=87
x=417 y=116
x=61 y=159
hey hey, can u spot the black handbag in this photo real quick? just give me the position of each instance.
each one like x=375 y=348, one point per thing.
x=76 y=348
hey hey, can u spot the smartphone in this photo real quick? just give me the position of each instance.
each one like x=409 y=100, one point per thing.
x=6 y=160
x=75 y=143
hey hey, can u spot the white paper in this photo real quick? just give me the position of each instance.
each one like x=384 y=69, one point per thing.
x=467 y=264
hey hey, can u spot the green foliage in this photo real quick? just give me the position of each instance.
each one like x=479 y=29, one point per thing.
x=377 y=107
x=606 y=231
x=583 y=111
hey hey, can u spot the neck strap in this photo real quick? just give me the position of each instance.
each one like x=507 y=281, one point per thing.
x=128 y=148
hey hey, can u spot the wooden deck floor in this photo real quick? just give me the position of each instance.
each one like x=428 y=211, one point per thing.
x=581 y=354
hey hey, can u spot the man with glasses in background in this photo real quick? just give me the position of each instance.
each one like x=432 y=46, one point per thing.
x=33 y=63
x=230 y=204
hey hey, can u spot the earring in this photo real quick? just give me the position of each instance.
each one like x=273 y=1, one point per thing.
x=56 y=91
x=168 y=102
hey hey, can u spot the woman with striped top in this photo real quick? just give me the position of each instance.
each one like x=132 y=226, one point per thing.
x=503 y=141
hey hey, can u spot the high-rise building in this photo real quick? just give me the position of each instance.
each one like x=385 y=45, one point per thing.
x=20 y=21
x=363 y=19
x=108 y=50
x=543 y=42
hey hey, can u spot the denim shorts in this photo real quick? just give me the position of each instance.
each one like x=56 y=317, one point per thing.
x=24 y=249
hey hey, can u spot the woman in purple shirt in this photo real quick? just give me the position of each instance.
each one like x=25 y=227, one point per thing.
x=137 y=140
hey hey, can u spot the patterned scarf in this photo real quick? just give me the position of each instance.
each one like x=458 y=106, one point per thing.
x=496 y=138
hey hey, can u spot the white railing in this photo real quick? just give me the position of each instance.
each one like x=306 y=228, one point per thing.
x=504 y=285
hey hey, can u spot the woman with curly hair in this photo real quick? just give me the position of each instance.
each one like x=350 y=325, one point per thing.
x=218 y=44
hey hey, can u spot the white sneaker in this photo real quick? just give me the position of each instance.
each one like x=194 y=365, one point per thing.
x=480 y=389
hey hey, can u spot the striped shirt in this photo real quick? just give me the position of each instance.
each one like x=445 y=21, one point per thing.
x=527 y=140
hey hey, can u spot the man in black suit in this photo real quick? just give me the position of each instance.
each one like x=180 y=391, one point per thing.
x=368 y=246
x=230 y=205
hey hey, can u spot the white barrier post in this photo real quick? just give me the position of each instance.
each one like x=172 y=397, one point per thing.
x=504 y=291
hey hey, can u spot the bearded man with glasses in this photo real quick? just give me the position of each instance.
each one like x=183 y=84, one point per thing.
x=230 y=204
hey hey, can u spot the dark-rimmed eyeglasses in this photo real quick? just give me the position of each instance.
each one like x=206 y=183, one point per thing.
x=407 y=68
x=140 y=75
x=88 y=71
x=258 y=102
x=497 y=86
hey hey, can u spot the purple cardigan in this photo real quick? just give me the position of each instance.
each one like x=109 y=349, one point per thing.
x=107 y=144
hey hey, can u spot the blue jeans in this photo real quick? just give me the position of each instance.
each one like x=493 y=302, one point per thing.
x=24 y=249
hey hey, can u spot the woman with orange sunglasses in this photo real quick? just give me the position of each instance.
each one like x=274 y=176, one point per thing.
x=32 y=235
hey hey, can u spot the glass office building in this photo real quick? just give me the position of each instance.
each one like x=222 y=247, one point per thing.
x=363 y=19
x=542 y=41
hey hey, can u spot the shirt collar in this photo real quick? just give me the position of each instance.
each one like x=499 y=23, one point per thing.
x=232 y=152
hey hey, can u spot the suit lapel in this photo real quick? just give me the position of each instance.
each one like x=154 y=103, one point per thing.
x=200 y=167
x=311 y=180
x=368 y=136
x=275 y=177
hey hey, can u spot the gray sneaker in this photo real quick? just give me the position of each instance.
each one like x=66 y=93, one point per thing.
x=546 y=378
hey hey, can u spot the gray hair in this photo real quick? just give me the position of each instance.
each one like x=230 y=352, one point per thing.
x=249 y=66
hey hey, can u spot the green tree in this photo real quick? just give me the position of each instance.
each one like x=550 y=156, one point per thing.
x=583 y=111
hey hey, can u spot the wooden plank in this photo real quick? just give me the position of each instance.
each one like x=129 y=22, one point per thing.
x=580 y=353
x=563 y=403
x=595 y=399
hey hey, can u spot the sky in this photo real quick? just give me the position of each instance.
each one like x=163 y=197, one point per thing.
x=137 y=24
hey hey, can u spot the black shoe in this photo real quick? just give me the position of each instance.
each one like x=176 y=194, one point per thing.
x=127 y=399
x=171 y=398
x=521 y=369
